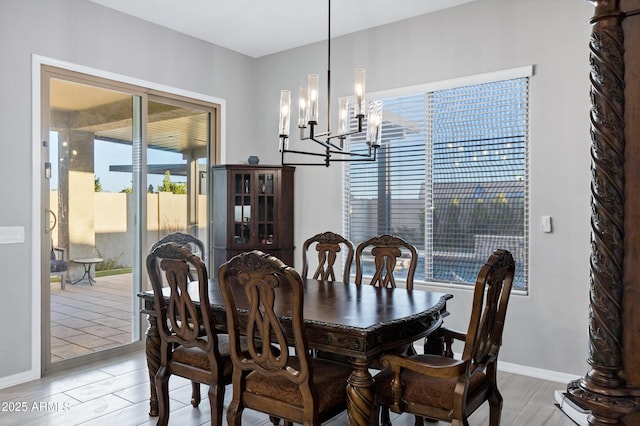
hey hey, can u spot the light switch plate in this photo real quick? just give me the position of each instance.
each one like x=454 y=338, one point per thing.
x=11 y=234
x=546 y=224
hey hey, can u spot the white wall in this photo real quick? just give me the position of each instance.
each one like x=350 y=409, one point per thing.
x=548 y=329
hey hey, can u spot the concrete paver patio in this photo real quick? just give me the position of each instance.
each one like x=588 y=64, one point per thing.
x=86 y=319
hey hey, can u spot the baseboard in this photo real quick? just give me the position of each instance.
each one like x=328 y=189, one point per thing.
x=538 y=373
x=18 y=379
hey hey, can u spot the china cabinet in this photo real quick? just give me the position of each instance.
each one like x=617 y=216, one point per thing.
x=252 y=209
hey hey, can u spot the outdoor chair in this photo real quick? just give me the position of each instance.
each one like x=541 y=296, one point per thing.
x=59 y=264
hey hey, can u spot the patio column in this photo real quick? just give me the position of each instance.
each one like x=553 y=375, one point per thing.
x=80 y=195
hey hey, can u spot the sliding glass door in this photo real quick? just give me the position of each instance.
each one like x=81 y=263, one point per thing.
x=122 y=168
x=177 y=153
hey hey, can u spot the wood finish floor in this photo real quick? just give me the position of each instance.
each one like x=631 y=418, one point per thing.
x=116 y=392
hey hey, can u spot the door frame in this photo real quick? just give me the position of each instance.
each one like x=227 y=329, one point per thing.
x=39 y=218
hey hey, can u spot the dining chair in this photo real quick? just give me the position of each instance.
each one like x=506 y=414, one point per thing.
x=189 y=344
x=286 y=384
x=328 y=245
x=387 y=252
x=196 y=246
x=437 y=386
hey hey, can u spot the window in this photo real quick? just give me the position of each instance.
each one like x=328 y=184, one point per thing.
x=451 y=178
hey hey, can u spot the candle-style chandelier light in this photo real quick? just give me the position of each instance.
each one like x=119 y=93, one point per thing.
x=333 y=143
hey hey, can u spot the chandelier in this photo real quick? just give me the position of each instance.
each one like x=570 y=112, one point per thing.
x=333 y=143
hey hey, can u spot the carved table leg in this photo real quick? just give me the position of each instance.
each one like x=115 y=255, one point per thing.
x=360 y=394
x=435 y=345
x=153 y=361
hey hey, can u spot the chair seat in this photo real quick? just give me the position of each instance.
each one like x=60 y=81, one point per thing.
x=424 y=390
x=199 y=358
x=328 y=377
x=59 y=265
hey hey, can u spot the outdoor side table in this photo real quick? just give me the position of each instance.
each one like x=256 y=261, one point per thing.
x=87 y=263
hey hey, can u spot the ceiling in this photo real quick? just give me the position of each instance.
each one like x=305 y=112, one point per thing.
x=108 y=115
x=260 y=27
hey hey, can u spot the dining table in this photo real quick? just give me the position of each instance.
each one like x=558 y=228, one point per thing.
x=359 y=322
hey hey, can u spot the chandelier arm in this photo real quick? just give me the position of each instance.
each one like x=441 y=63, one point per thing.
x=292 y=151
x=354 y=160
x=318 y=135
x=340 y=149
x=343 y=135
x=354 y=154
x=324 y=144
x=328 y=161
x=285 y=163
x=319 y=154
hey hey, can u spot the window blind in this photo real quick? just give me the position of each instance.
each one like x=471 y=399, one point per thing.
x=388 y=196
x=451 y=179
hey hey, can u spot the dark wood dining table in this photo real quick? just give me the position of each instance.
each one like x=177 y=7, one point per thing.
x=357 y=321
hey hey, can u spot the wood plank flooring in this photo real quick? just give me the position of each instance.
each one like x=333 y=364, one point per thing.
x=116 y=392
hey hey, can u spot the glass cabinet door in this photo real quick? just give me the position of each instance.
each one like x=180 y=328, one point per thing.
x=253 y=210
x=242 y=209
x=266 y=208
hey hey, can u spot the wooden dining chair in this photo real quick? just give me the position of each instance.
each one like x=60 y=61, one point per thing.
x=328 y=245
x=386 y=251
x=189 y=344
x=197 y=247
x=289 y=385
x=439 y=387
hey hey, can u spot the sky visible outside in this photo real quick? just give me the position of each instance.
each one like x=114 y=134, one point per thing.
x=109 y=153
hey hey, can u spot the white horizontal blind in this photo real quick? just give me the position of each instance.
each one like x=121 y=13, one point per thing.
x=479 y=136
x=451 y=179
x=388 y=196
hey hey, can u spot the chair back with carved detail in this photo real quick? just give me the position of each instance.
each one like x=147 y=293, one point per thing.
x=195 y=245
x=264 y=300
x=437 y=386
x=387 y=252
x=189 y=345
x=328 y=245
